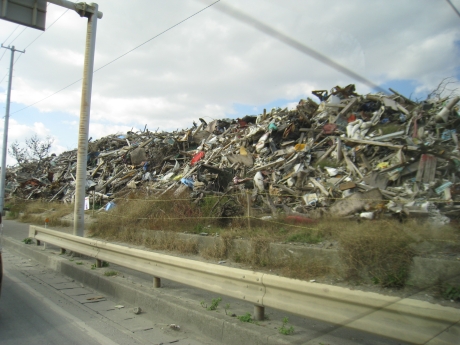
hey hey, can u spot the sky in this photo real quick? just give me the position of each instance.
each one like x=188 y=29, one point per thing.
x=213 y=65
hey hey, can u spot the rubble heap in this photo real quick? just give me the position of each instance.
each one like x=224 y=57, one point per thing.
x=347 y=155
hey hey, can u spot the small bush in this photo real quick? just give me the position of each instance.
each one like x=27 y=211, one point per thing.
x=110 y=273
x=381 y=253
x=28 y=240
x=283 y=329
x=246 y=318
x=215 y=303
x=451 y=292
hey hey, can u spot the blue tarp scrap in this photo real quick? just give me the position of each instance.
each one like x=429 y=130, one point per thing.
x=110 y=205
x=188 y=182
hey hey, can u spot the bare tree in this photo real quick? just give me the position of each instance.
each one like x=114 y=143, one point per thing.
x=39 y=149
x=34 y=151
x=19 y=153
x=445 y=89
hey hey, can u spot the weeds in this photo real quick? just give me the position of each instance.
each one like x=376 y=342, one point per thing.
x=283 y=329
x=226 y=307
x=79 y=263
x=220 y=249
x=382 y=254
x=110 y=273
x=302 y=268
x=28 y=240
x=214 y=303
x=36 y=212
x=451 y=292
x=380 y=251
x=308 y=236
x=246 y=318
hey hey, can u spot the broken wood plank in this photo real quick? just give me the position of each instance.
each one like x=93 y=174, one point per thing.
x=378 y=143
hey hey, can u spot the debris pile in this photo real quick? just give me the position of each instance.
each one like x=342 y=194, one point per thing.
x=346 y=155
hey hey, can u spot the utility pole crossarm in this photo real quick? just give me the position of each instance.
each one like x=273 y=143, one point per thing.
x=8 y=47
x=82 y=8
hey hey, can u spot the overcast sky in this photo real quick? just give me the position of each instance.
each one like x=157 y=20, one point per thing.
x=215 y=66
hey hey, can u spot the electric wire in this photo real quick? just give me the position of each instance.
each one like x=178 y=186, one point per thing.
x=453 y=7
x=14 y=39
x=299 y=46
x=36 y=38
x=5 y=42
x=11 y=33
x=242 y=17
x=161 y=33
x=4 y=52
x=119 y=57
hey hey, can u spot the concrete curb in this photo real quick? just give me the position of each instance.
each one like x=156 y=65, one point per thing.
x=423 y=321
x=219 y=327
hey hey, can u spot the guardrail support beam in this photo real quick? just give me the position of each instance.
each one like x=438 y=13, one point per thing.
x=38 y=242
x=259 y=313
x=156 y=282
x=98 y=263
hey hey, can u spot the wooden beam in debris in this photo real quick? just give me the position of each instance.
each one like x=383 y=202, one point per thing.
x=347 y=107
x=378 y=143
x=426 y=169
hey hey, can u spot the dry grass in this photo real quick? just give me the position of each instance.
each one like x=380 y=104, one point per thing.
x=379 y=251
x=170 y=241
x=36 y=212
x=220 y=249
x=299 y=268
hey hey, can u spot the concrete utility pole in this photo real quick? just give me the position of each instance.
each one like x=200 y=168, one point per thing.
x=91 y=12
x=5 y=129
x=25 y=13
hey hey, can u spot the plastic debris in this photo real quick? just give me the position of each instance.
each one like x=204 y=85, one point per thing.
x=343 y=155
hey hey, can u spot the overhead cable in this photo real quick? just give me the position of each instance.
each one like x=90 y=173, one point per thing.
x=453 y=7
x=36 y=38
x=299 y=46
x=119 y=57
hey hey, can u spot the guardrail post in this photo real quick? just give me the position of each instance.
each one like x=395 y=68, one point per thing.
x=38 y=242
x=156 y=282
x=98 y=263
x=259 y=313
x=62 y=251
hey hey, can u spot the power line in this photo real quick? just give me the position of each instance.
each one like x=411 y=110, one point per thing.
x=46 y=29
x=11 y=33
x=17 y=36
x=36 y=38
x=453 y=7
x=161 y=33
x=30 y=105
x=303 y=48
x=119 y=57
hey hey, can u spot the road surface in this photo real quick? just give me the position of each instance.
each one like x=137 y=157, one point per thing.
x=39 y=306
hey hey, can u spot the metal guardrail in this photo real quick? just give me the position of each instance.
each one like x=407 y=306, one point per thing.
x=403 y=319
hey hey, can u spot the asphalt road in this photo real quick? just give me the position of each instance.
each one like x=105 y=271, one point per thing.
x=38 y=306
